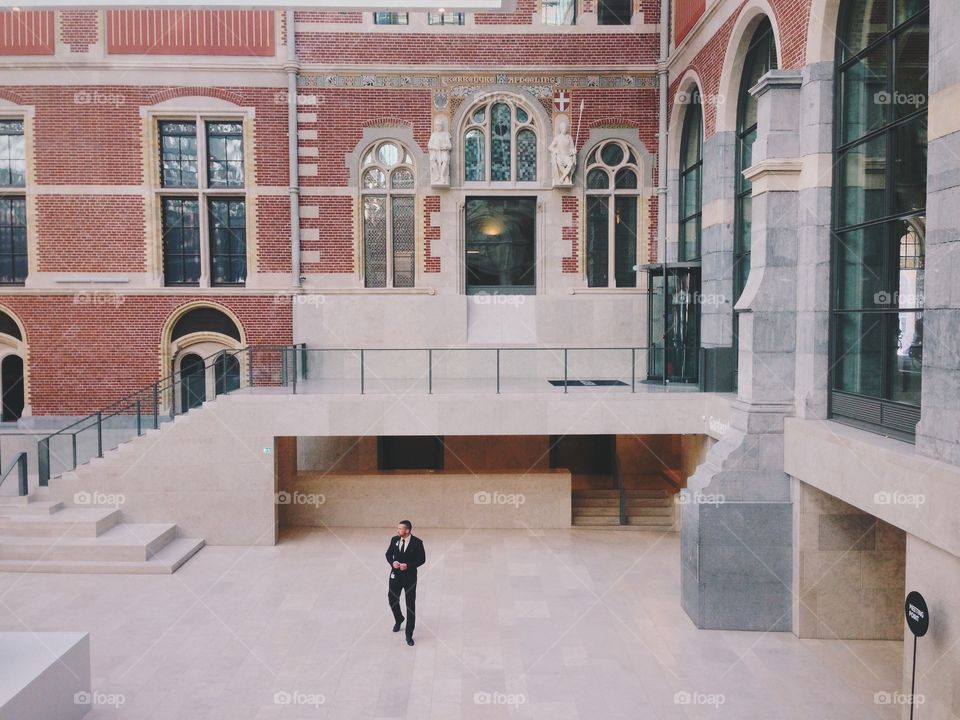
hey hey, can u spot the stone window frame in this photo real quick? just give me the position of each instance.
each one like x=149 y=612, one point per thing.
x=467 y=124
x=200 y=110
x=406 y=161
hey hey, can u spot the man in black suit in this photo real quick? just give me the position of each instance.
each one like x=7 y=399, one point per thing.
x=405 y=554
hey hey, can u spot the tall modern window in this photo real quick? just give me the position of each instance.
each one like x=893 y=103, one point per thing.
x=13 y=203
x=879 y=213
x=388 y=194
x=500 y=245
x=691 y=180
x=202 y=202
x=499 y=144
x=613 y=201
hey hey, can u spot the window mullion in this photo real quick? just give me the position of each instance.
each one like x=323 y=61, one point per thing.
x=611 y=240
x=388 y=282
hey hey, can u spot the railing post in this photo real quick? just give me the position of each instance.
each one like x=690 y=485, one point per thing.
x=498 y=371
x=283 y=367
x=565 y=371
x=250 y=368
x=633 y=370
x=73 y=443
x=139 y=429
x=156 y=406
x=361 y=371
x=22 y=470
x=303 y=360
x=293 y=355
x=43 y=462
x=430 y=371
x=99 y=433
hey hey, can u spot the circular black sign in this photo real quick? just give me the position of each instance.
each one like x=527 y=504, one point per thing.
x=918 y=617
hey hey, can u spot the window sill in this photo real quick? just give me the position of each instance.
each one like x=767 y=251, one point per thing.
x=609 y=291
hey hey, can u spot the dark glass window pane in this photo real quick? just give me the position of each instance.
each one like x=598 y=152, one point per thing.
x=626 y=180
x=862 y=181
x=611 y=154
x=403 y=241
x=474 y=158
x=13 y=239
x=181 y=241
x=375 y=241
x=859 y=368
x=690 y=153
x=13 y=154
x=598 y=180
x=862 y=262
x=912 y=56
x=905 y=364
x=224 y=154
x=865 y=100
x=500 y=131
x=906 y=9
x=526 y=155
x=690 y=193
x=866 y=22
x=614 y=12
x=598 y=241
x=391 y=18
x=910 y=166
x=178 y=154
x=625 y=241
x=690 y=239
x=501 y=244
x=228 y=241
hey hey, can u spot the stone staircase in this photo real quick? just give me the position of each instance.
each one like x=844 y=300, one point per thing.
x=650 y=502
x=42 y=535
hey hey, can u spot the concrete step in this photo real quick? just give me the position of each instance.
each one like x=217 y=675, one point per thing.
x=605 y=510
x=650 y=511
x=128 y=542
x=596 y=493
x=77 y=522
x=658 y=520
x=595 y=502
x=597 y=520
x=165 y=561
x=658 y=503
x=30 y=507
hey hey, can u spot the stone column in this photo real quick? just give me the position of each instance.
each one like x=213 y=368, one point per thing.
x=736 y=517
x=716 y=240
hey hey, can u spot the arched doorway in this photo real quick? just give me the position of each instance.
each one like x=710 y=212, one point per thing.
x=193 y=384
x=226 y=373
x=11 y=382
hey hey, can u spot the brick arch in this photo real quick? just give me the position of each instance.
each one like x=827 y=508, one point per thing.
x=387 y=122
x=201 y=91
x=166 y=354
x=613 y=122
x=11 y=96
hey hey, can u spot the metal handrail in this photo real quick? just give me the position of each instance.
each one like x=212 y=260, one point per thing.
x=157 y=393
x=20 y=462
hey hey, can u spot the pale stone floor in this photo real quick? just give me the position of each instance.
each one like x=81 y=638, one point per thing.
x=574 y=623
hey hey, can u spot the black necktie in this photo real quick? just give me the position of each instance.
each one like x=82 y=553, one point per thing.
x=403 y=546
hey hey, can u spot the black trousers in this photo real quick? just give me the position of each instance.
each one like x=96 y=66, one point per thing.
x=409 y=587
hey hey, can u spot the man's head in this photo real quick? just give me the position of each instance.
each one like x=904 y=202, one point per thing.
x=404 y=528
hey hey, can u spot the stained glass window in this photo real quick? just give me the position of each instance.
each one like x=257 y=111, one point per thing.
x=500 y=144
x=389 y=216
x=526 y=155
x=612 y=216
x=500 y=125
x=474 y=155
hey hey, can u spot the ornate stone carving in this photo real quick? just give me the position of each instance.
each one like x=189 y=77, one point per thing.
x=439 y=147
x=563 y=153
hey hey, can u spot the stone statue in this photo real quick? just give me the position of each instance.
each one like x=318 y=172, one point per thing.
x=564 y=153
x=439 y=147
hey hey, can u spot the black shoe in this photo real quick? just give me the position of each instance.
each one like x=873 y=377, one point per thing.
x=397 y=624
x=409 y=641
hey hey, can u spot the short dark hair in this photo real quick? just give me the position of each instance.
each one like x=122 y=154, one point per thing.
x=407 y=523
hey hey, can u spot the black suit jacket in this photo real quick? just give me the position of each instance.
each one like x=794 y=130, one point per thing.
x=414 y=555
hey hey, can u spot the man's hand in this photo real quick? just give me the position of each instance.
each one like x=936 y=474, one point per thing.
x=397 y=566
x=403 y=566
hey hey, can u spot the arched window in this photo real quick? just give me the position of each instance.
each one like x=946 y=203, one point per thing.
x=691 y=180
x=879 y=208
x=613 y=201
x=761 y=58
x=499 y=143
x=388 y=192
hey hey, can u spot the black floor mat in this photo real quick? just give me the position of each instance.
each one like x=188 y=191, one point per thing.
x=587 y=383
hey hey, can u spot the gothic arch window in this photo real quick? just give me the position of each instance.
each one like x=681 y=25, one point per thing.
x=691 y=180
x=499 y=143
x=387 y=198
x=12 y=379
x=613 y=204
x=879 y=213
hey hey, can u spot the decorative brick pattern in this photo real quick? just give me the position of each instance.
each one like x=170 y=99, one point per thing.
x=571 y=233
x=191 y=32
x=78 y=29
x=27 y=32
x=431 y=234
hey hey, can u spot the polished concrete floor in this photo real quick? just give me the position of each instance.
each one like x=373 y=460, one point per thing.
x=552 y=624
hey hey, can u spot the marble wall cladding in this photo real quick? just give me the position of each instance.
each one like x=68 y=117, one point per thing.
x=851 y=570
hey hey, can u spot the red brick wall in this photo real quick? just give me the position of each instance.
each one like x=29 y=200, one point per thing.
x=571 y=204
x=431 y=234
x=329 y=17
x=90 y=233
x=78 y=29
x=336 y=234
x=273 y=234
x=90 y=349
